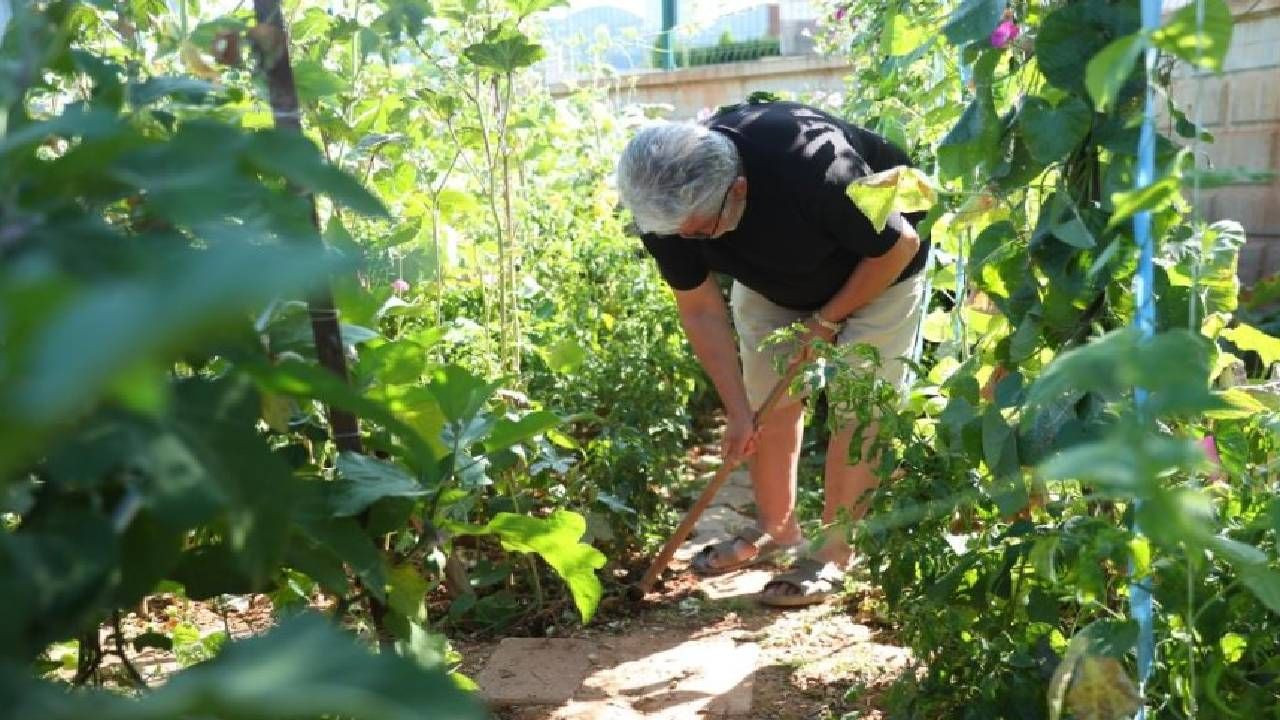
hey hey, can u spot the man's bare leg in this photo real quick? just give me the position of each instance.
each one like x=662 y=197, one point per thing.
x=848 y=487
x=773 y=478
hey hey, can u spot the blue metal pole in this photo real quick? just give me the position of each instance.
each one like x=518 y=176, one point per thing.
x=1140 y=606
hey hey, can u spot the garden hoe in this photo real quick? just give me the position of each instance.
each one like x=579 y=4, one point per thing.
x=686 y=526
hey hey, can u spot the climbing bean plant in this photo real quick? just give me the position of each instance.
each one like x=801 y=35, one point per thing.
x=1008 y=547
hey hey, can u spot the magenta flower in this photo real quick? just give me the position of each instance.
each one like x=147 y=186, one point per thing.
x=1210 y=447
x=840 y=13
x=400 y=287
x=1004 y=34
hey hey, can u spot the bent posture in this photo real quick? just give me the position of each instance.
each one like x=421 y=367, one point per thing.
x=757 y=193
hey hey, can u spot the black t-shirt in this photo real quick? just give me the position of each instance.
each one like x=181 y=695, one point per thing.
x=801 y=236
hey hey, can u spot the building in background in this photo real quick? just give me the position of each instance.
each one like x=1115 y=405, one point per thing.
x=623 y=35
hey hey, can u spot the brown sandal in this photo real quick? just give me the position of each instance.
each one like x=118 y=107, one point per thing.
x=815 y=580
x=767 y=549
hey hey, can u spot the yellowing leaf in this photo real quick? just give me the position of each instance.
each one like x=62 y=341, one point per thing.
x=900 y=189
x=1102 y=690
x=1248 y=337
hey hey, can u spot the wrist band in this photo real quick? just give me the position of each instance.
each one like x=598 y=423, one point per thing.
x=834 y=327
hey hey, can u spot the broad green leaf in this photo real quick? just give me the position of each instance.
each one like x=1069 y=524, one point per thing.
x=973 y=21
x=1182 y=35
x=1249 y=338
x=557 y=539
x=900 y=189
x=113 y=326
x=565 y=356
x=155 y=88
x=1074 y=33
x=901 y=35
x=1111 y=68
x=1074 y=233
x=364 y=480
x=971 y=141
x=1172 y=365
x=297 y=159
x=506 y=433
x=1050 y=132
x=406 y=589
x=460 y=393
x=315 y=82
x=504 y=50
x=1152 y=198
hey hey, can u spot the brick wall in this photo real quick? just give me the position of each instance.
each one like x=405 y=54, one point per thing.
x=1241 y=107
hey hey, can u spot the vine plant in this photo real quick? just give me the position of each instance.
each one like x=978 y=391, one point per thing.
x=1007 y=544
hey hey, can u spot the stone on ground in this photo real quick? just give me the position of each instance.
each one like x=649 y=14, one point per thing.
x=535 y=671
x=666 y=677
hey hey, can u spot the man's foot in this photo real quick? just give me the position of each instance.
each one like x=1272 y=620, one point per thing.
x=749 y=547
x=808 y=582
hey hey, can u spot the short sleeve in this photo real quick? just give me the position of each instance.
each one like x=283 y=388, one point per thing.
x=852 y=230
x=679 y=261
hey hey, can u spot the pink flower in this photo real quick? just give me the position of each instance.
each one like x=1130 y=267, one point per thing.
x=1210 y=447
x=1004 y=34
x=400 y=287
x=840 y=13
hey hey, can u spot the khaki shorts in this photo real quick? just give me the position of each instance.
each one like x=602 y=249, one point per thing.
x=891 y=323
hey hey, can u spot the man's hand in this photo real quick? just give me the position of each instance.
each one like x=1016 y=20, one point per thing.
x=739 y=438
x=813 y=332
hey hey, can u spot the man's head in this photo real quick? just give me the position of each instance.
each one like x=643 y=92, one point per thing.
x=682 y=179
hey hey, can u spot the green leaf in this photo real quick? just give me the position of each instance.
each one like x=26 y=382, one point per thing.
x=1249 y=338
x=556 y=539
x=163 y=86
x=900 y=189
x=315 y=82
x=461 y=394
x=565 y=356
x=406 y=589
x=504 y=50
x=297 y=159
x=364 y=480
x=1109 y=70
x=1074 y=233
x=901 y=34
x=506 y=433
x=1050 y=133
x=1182 y=35
x=973 y=21
x=112 y=327
x=1074 y=33
x=971 y=141
x=1152 y=198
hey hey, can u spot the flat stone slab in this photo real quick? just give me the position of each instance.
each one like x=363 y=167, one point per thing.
x=740 y=498
x=717 y=523
x=535 y=671
x=666 y=677
x=747 y=582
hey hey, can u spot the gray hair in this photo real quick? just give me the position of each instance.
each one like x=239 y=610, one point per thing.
x=672 y=170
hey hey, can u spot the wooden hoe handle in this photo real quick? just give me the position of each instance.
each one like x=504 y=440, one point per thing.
x=709 y=493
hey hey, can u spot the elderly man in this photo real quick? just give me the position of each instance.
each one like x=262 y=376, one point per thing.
x=757 y=193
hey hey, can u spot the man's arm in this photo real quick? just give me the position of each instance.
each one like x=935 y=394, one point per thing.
x=872 y=276
x=706 y=323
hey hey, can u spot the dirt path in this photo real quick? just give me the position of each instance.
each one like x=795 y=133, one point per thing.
x=698 y=649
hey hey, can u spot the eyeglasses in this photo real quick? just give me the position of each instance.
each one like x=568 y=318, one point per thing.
x=719 y=217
